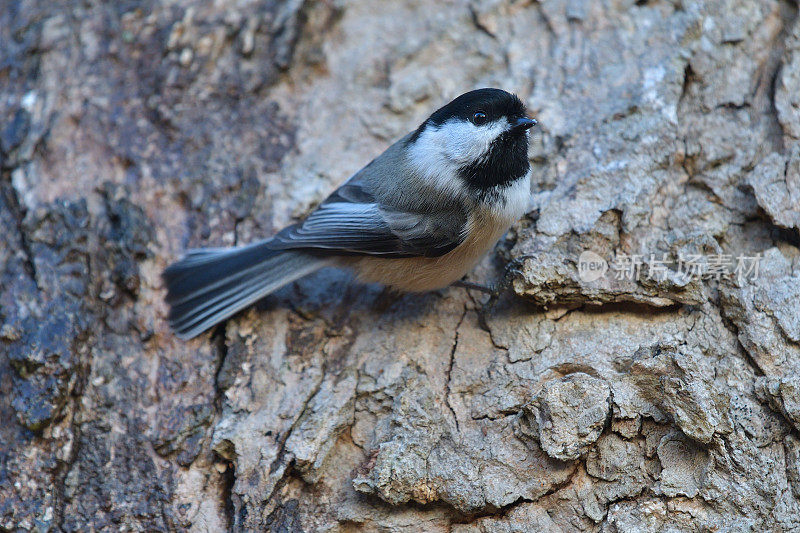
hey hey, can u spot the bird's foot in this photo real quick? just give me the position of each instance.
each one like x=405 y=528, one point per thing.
x=470 y=285
x=512 y=268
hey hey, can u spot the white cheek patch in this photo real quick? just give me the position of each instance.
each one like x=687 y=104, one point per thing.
x=466 y=143
x=439 y=152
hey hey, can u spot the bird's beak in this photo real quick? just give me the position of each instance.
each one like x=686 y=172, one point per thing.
x=523 y=123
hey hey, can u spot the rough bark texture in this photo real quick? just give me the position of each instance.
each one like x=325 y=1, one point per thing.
x=132 y=130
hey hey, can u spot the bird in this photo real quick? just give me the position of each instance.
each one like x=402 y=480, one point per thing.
x=416 y=218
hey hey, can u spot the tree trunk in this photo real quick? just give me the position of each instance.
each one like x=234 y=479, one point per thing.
x=612 y=388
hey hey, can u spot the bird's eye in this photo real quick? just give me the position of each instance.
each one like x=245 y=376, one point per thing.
x=479 y=118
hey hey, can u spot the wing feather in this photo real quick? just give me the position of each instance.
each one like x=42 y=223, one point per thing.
x=353 y=221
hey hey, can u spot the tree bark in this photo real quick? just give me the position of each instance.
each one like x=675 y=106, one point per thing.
x=670 y=131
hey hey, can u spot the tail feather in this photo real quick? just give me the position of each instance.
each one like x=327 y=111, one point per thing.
x=199 y=270
x=209 y=285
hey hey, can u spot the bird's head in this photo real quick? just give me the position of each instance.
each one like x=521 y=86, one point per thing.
x=480 y=138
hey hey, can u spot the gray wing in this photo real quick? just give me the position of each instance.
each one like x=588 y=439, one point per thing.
x=353 y=221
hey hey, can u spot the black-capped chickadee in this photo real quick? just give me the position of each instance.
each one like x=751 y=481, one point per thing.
x=417 y=218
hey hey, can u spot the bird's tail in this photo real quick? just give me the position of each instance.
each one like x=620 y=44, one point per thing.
x=208 y=285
